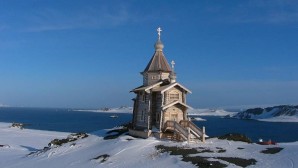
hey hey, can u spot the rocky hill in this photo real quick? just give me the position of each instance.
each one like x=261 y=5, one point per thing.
x=282 y=113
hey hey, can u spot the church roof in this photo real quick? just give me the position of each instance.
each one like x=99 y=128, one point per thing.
x=174 y=103
x=158 y=61
x=167 y=87
x=146 y=88
x=155 y=87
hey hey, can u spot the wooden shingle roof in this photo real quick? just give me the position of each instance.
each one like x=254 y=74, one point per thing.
x=146 y=88
x=158 y=61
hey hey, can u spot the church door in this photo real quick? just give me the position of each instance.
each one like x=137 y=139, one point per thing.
x=174 y=117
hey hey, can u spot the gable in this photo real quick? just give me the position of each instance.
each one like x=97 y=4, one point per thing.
x=168 y=87
x=146 y=88
x=175 y=103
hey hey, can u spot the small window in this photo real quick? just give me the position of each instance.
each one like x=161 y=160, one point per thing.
x=174 y=96
x=154 y=77
x=142 y=96
x=142 y=116
x=157 y=117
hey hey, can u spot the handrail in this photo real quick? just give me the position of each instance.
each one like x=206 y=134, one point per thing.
x=192 y=126
x=195 y=128
x=177 y=127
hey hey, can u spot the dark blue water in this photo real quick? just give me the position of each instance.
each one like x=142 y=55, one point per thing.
x=276 y=131
x=65 y=120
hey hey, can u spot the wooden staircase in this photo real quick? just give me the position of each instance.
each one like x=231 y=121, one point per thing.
x=183 y=130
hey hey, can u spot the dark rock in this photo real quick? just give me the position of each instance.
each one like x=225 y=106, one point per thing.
x=239 y=161
x=102 y=158
x=236 y=137
x=272 y=150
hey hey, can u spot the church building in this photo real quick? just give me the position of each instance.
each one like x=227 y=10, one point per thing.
x=160 y=107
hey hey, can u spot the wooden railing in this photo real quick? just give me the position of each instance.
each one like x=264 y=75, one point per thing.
x=177 y=128
x=192 y=126
x=182 y=129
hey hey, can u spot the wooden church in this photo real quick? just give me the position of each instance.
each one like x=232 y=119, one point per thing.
x=160 y=107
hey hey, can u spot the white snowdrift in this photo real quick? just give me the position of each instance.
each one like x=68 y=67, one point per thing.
x=124 y=151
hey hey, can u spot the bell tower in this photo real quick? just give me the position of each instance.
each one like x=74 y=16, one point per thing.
x=158 y=68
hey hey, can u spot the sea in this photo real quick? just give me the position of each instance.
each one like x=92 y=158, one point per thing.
x=69 y=120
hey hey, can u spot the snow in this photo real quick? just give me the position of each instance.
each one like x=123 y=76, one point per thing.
x=209 y=112
x=109 y=110
x=198 y=119
x=124 y=151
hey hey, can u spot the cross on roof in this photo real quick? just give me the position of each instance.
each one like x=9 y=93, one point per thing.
x=159 y=30
x=173 y=64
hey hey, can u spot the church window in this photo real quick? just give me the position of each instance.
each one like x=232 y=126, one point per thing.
x=157 y=117
x=174 y=96
x=142 y=116
x=143 y=96
x=174 y=117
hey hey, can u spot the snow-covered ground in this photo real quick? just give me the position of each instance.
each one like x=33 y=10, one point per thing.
x=124 y=151
x=109 y=110
x=209 y=112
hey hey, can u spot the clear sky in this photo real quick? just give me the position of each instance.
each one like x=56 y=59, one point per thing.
x=88 y=54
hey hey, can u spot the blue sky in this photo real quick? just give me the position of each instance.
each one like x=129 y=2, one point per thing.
x=88 y=54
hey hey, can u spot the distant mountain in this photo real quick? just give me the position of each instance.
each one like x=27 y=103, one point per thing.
x=3 y=105
x=122 y=109
x=282 y=113
x=209 y=112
